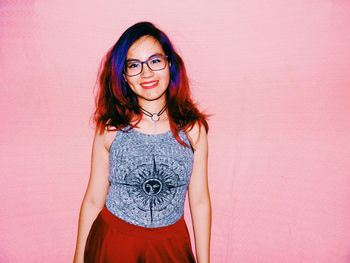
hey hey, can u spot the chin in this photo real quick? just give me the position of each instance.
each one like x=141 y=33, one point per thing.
x=153 y=97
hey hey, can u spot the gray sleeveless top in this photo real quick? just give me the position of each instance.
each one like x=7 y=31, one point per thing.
x=149 y=176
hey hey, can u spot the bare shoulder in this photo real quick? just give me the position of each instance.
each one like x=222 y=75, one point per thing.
x=197 y=136
x=108 y=137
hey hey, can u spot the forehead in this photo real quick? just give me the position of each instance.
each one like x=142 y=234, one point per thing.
x=143 y=48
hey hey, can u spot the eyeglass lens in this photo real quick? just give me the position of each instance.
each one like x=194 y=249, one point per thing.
x=155 y=63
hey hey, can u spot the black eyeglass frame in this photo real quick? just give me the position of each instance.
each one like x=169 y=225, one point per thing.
x=145 y=62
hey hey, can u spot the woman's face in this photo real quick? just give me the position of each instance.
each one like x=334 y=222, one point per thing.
x=148 y=85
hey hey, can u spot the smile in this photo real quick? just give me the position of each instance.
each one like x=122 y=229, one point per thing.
x=149 y=85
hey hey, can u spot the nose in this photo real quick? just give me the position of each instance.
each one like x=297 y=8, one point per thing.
x=146 y=71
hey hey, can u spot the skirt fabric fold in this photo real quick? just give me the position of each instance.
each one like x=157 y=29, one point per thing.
x=113 y=240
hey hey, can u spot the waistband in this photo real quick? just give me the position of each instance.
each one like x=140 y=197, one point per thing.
x=124 y=227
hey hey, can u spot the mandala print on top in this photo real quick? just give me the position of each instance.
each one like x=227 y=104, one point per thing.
x=149 y=178
x=152 y=188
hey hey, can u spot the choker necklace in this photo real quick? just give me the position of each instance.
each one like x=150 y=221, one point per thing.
x=154 y=116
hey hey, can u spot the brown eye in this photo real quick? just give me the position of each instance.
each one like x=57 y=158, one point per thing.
x=133 y=65
x=156 y=60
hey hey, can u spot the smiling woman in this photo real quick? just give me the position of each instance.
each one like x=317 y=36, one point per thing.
x=149 y=150
x=147 y=70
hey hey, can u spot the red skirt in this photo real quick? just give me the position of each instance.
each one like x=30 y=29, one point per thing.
x=112 y=239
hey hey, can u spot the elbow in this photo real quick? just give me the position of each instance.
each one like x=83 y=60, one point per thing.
x=203 y=201
x=95 y=203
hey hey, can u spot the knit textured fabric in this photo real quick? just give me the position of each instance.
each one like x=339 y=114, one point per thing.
x=149 y=176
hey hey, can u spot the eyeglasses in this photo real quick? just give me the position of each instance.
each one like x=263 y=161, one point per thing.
x=134 y=67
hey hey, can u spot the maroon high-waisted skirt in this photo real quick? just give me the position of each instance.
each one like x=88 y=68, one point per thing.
x=112 y=239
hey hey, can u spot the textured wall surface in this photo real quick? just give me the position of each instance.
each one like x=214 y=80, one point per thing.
x=275 y=74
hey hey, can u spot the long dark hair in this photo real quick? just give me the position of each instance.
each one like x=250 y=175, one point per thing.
x=116 y=103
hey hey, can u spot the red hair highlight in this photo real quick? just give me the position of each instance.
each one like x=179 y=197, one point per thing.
x=116 y=104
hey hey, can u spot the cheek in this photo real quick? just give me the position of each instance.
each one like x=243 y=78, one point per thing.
x=166 y=77
x=131 y=85
x=131 y=82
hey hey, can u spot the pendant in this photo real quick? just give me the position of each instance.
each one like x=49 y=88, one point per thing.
x=155 y=117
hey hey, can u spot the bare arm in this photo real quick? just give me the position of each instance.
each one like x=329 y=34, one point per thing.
x=199 y=198
x=95 y=195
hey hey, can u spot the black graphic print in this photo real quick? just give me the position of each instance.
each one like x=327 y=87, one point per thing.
x=152 y=188
x=149 y=175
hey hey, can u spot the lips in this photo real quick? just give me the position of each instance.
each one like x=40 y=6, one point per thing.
x=149 y=84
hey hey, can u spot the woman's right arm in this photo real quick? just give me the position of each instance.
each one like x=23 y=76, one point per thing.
x=95 y=195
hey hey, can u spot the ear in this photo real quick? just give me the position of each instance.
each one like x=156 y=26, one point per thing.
x=125 y=78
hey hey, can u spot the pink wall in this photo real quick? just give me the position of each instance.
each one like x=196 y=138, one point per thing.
x=275 y=74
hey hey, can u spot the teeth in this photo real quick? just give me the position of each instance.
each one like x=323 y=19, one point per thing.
x=149 y=84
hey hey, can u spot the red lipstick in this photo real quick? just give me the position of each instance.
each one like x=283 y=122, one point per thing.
x=149 y=84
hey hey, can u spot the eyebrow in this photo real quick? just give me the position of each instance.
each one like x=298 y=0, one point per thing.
x=134 y=59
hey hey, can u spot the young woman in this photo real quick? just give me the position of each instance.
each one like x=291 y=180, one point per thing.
x=150 y=147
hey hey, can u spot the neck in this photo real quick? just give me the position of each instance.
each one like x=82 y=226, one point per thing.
x=153 y=106
x=154 y=112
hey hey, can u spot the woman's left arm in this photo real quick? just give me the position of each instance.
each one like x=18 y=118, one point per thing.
x=199 y=198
